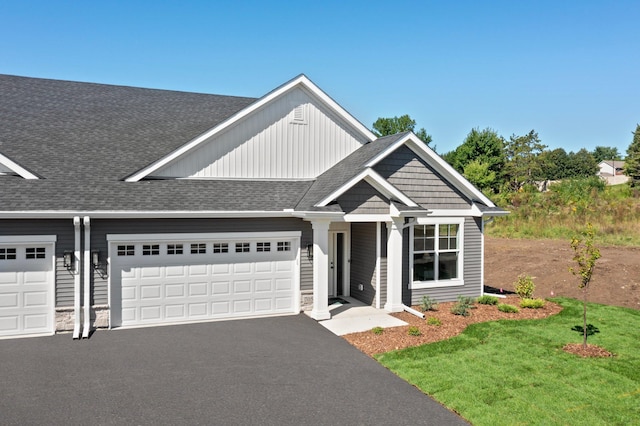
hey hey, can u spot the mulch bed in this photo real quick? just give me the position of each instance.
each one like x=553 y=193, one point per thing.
x=451 y=325
x=591 y=351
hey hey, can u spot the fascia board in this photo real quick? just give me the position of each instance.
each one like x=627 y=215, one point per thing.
x=269 y=97
x=376 y=181
x=430 y=156
x=16 y=168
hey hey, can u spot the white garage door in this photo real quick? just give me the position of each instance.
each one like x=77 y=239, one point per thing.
x=26 y=287
x=168 y=279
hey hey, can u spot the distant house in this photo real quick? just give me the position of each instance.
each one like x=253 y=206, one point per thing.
x=124 y=207
x=612 y=171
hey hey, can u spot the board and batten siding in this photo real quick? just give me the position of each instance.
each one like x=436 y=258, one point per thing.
x=363 y=262
x=405 y=170
x=101 y=227
x=64 y=232
x=362 y=198
x=472 y=269
x=273 y=143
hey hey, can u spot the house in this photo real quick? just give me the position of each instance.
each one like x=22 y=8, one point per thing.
x=612 y=171
x=126 y=207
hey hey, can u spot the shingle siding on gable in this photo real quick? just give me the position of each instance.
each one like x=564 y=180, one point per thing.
x=410 y=174
x=362 y=198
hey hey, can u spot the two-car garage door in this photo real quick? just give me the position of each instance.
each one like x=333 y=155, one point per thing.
x=160 y=279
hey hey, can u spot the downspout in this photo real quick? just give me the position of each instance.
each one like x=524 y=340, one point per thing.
x=87 y=278
x=76 y=279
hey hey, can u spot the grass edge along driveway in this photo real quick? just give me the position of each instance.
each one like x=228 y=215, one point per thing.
x=515 y=372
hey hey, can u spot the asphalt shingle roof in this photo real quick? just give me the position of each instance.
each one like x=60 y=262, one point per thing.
x=84 y=138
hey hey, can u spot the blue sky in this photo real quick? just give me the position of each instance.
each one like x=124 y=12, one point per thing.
x=568 y=69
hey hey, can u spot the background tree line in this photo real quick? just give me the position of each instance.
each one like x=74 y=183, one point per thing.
x=495 y=164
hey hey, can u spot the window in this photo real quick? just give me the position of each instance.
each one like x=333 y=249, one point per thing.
x=199 y=248
x=35 y=253
x=263 y=246
x=174 y=249
x=220 y=248
x=243 y=247
x=284 y=245
x=7 y=253
x=126 y=250
x=150 y=249
x=436 y=254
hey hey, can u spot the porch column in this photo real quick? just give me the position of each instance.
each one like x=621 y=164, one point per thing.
x=394 y=266
x=320 y=309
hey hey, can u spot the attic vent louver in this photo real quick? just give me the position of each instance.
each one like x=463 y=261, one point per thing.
x=299 y=114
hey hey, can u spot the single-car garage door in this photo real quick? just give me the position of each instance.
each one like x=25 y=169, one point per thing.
x=26 y=285
x=161 y=279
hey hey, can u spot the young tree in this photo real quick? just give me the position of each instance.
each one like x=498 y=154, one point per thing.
x=478 y=174
x=586 y=254
x=632 y=162
x=523 y=159
x=391 y=126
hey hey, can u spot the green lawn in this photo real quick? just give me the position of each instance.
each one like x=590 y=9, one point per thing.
x=516 y=373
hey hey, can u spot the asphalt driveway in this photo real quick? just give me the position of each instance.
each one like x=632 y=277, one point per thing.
x=275 y=371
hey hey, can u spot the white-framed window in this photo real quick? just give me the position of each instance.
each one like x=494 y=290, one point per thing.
x=436 y=252
x=35 y=253
x=221 y=247
x=243 y=247
x=263 y=246
x=174 y=249
x=126 y=250
x=198 y=248
x=150 y=249
x=284 y=245
x=7 y=253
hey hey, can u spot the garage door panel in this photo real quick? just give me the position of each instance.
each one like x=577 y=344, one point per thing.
x=175 y=312
x=9 y=300
x=197 y=310
x=198 y=289
x=35 y=299
x=8 y=278
x=262 y=286
x=221 y=288
x=242 y=287
x=150 y=292
x=9 y=324
x=35 y=322
x=172 y=288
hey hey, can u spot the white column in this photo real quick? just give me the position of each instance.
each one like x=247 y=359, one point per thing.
x=394 y=266
x=320 y=309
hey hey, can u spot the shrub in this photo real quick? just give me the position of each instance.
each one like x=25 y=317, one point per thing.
x=487 y=300
x=524 y=286
x=428 y=304
x=532 y=303
x=414 y=331
x=463 y=306
x=433 y=321
x=503 y=307
x=377 y=330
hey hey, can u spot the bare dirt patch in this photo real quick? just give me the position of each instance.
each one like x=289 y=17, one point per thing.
x=616 y=278
x=616 y=281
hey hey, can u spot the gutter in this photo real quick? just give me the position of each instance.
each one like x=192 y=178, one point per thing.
x=76 y=279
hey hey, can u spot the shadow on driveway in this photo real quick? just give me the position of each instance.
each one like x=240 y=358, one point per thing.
x=279 y=371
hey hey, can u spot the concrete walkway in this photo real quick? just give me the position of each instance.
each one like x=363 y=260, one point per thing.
x=355 y=316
